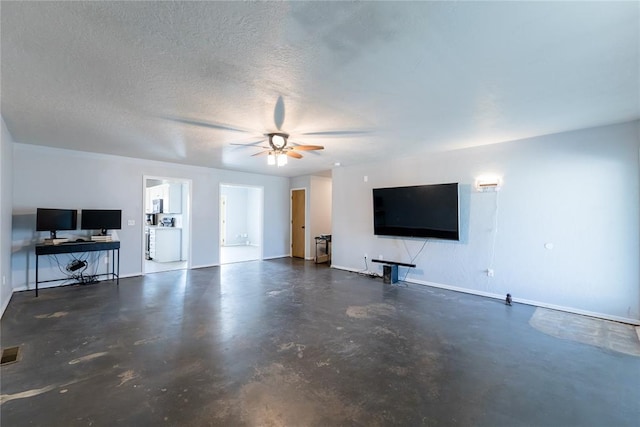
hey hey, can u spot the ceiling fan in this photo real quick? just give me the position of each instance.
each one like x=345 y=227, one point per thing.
x=279 y=149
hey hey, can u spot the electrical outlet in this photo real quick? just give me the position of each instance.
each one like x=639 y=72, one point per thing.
x=131 y=222
x=490 y=272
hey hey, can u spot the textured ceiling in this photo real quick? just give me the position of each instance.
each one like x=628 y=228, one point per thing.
x=181 y=81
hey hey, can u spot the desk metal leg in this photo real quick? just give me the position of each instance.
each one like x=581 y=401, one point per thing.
x=37 y=256
x=118 y=276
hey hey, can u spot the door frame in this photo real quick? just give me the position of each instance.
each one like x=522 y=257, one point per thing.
x=188 y=214
x=223 y=219
x=260 y=218
x=306 y=221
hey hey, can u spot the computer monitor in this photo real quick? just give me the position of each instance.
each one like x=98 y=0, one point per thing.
x=53 y=220
x=101 y=219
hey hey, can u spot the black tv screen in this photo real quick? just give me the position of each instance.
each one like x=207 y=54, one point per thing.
x=101 y=219
x=56 y=219
x=417 y=211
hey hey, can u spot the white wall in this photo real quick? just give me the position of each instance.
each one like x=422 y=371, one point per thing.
x=185 y=222
x=320 y=203
x=236 y=214
x=46 y=177
x=6 y=196
x=578 y=190
x=244 y=210
x=254 y=207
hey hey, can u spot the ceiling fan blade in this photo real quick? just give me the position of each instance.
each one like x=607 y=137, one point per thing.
x=307 y=147
x=248 y=144
x=337 y=133
x=261 y=153
x=278 y=113
x=294 y=154
x=264 y=147
x=210 y=125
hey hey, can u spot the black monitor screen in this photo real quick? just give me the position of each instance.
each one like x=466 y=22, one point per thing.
x=417 y=211
x=101 y=219
x=56 y=219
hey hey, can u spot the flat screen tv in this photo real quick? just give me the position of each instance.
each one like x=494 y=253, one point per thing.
x=53 y=220
x=101 y=219
x=417 y=211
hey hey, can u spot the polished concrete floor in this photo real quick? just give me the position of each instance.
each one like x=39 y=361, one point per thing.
x=292 y=343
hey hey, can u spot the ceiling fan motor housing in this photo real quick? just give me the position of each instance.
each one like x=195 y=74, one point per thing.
x=280 y=140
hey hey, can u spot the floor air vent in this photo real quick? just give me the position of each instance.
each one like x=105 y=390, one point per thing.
x=9 y=355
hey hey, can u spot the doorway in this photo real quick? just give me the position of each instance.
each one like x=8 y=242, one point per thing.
x=167 y=224
x=241 y=219
x=298 y=231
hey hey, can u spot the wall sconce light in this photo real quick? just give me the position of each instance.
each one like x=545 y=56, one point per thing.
x=488 y=183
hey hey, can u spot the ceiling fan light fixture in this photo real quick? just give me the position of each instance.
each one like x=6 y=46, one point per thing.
x=282 y=159
x=278 y=150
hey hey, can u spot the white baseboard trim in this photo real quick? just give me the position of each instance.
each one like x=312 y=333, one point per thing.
x=41 y=286
x=124 y=276
x=463 y=290
x=603 y=316
x=204 y=266
x=353 y=270
x=534 y=303
x=598 y=315
x=275 y=257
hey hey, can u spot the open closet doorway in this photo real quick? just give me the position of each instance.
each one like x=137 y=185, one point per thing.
x=241 y=231
x=167 y=224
